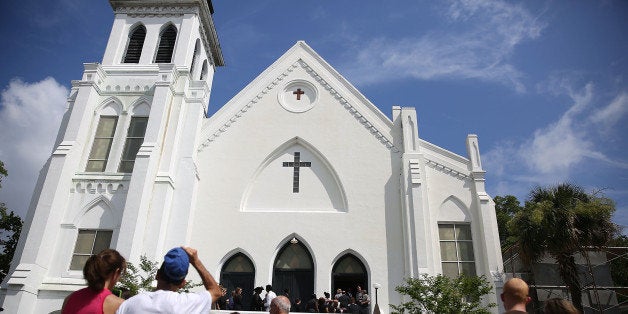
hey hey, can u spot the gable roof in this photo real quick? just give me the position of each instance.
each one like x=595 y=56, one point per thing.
x=300 y=55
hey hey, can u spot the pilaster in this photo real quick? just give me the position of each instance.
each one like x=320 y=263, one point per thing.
x=487 y=220
x=416 y=218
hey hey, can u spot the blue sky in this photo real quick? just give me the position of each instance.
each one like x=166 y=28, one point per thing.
x=542 y=83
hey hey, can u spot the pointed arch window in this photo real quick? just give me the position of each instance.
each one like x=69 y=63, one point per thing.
x=166 y=45
x=89 y=242
x=136 y=43
x=204 y=71
x=195 y=57
x=101 y=147
x=134 y=140
x=456 y=249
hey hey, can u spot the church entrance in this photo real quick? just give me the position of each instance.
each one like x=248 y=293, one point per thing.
x=239 y=271
x=347 y=273
x=294 y=270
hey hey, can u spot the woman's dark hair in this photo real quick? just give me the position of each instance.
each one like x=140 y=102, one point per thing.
x=100 y=266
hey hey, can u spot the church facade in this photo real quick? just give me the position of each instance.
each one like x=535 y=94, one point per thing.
x=298 y=181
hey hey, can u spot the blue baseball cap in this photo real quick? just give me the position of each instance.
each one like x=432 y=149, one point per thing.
x=176 y=264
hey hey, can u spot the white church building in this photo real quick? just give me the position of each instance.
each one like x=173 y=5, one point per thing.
x=298 y=181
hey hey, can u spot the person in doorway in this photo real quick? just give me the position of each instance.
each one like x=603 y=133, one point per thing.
x=270 y=295
x=343 y=299
x=280 y=305
x=353 y=307
x=237 y=299
x=297 y=306
x=257 y=303
x=312 y=304
x=515 y=296
x=364 y=302
x=170 y=278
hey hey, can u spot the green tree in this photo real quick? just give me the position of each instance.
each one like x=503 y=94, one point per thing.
x=506 y=207
x=561 y=221
x=140 y=278
x=441 y=294
x=10 y=228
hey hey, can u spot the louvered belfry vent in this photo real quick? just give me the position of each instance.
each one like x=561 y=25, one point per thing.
x=136 y=42
x=166 y=45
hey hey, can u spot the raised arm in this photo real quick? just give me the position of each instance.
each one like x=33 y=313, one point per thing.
x=208 y=280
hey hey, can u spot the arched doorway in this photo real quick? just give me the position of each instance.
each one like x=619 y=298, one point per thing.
x=239 y=271
x=347 y=273
x=294 y=270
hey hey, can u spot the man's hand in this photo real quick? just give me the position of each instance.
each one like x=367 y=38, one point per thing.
x=208 y=281
x=192 y=254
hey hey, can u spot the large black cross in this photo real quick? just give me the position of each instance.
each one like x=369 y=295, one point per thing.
x=296 y=164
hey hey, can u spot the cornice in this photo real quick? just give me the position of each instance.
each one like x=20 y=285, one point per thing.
x=269 y=87
x=445 y=169
x=100 y=183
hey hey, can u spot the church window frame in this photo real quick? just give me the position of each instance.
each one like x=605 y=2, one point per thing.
x=195 y=57
x=204 y=71
x=166 y=44
x=456 y=249
x=132 y=143
x=104 y=138
x=135 y=44
x=89 y=242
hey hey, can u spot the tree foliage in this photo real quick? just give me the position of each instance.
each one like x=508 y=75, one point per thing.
x=506 y=207
x=561 y=221
x=140 y=278
x=10 y=228
x=441 y=294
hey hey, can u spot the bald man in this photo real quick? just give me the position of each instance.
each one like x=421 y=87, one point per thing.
x=515 y=296
x=280 y=305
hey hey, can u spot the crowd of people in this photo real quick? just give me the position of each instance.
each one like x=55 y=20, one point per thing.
x=102 y=272
x=341 y=302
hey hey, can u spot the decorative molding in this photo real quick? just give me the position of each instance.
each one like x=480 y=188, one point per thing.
x=442 y=168
x=95 y=186
x=101 y=183
x=156 y=11
x=276 y=82
x=415 y=171
x=64 y=148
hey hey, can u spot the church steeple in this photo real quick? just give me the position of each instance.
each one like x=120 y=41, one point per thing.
x=127 y=140
x=160 y=31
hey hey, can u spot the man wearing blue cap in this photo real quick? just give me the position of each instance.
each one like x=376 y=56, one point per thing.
x=170 y=278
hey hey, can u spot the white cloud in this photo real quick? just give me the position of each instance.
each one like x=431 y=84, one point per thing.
x=477 y=43
x=610 y=115
x=554 y=151
x=558 y=147
x=30 y=115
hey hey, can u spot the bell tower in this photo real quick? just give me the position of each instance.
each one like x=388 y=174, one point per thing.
x=123 y=172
